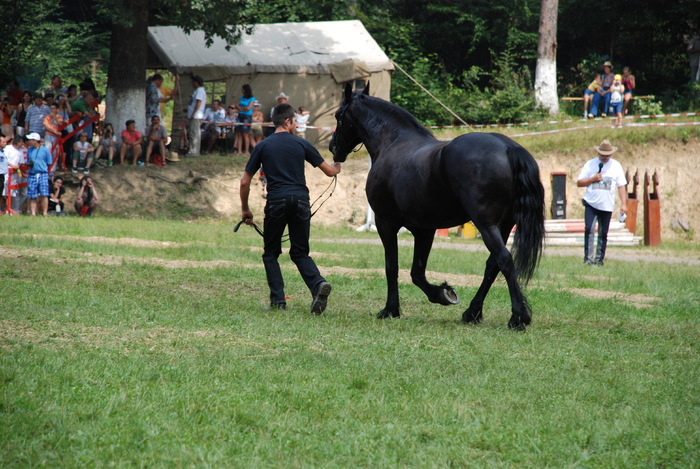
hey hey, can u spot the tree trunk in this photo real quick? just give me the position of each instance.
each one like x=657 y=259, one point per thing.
x=126 y=85
x=546 y=72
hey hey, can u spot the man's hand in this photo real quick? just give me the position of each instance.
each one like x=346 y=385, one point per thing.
x=337 y=166
x=247 y=217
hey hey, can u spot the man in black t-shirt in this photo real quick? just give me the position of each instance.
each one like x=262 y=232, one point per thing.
x=283 y=155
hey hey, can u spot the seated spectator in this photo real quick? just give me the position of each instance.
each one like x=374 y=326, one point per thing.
x=588 y=93
x=39 y=161
x=211 y=130
x=302 y=116
x=258 y=118
x=56 y=206
x=83 y=154
x=86 y=200
x=34 y=122
x=156 y=135
x=107 y=143
x=630 y=83
x=53 y=123
x=131 y=141
x=606 y=80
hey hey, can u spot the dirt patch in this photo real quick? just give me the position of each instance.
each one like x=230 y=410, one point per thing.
x=191 y=189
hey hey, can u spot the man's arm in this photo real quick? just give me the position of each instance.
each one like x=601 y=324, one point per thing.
x=330 y=170
x=246 y=214
x=585 y=182
x=623 y=198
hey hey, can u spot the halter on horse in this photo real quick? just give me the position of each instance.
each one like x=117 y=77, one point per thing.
x=423 y=184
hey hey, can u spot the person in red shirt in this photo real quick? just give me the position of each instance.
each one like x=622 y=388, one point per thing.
x=131 y=140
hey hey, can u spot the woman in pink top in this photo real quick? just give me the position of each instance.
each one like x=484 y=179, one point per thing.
x=131 y=140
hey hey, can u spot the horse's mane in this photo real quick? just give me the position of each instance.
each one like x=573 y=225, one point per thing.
x=399 y=117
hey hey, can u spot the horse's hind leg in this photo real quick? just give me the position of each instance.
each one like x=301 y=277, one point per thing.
x=475 y=311
x=441 y=294
x=504 y=261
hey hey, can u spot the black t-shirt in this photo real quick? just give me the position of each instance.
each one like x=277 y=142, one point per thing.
x=282 y=156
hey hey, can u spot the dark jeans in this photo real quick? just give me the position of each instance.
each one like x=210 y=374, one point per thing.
x=590 y=216
x=293 y=212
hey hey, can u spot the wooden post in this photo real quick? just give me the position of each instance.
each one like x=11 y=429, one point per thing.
x=652 y=212
x=632 y=203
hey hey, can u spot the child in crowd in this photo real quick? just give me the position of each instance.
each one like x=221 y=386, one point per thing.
x=616 y=91
x=82 y=154
x=56 y=197
x=302 y=116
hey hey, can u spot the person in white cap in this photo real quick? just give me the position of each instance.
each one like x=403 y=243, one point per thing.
x=601 y=177
x=39 y=161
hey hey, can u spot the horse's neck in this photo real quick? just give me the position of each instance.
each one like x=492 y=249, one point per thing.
x=381 y=132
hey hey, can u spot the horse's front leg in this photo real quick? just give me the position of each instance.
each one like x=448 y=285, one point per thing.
x=387 y=232
x=442 y=294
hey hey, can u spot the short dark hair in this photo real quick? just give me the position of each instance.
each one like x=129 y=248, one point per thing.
x=198 y=79
x=18 y=139
x=281 y=113
x=156 y=76
x=129 y=122
x=154 y=116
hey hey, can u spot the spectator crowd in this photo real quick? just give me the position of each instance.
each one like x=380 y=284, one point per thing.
x=58 y=130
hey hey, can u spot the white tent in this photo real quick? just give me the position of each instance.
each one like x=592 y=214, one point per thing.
x=310 y=62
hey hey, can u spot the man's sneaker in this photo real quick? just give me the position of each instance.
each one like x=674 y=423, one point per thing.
x=318 y=305
x=110 y=163
x=75 y=170
x=87 y=171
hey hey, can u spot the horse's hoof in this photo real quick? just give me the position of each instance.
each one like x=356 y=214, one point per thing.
x=384 y=314
x=472 y=318
x=448 y=295
x=516 y=326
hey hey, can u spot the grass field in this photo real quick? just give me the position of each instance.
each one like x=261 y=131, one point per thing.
x=135 y=343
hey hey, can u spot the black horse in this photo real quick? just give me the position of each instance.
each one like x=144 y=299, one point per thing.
x=423 y=184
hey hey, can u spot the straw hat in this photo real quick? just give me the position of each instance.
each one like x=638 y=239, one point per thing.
x=173 y=157
x=608 y=64
x=605 y=148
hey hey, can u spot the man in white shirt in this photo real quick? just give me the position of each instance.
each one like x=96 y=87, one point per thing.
x=16 y=155
x=195 y=114
x=601 y=177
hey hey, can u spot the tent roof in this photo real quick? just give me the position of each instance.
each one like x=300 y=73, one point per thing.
x=272 y=48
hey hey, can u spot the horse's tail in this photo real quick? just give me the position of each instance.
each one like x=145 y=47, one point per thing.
x=528 y=212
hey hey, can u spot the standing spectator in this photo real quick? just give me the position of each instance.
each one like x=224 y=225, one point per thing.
x=72 y=93
x=21 y=113
x=245 y=118
x=283 y=155
x=65 y=111
x=56 y=87
x=630 y=83
x=302 y=116
x=169 y=94
x=34 y=122
x=154 y=97
x=17 y=156
x=157 y=135
x=213 y=116
x=616 y=92
x=14 y=93
x=39 y=160
x=131 y=140
x=6 y=111
x=4 y=140
x=84 y=107
x=107 y=143
x=195 y=114
x=86 y=199
x=601 y=177
x=258 y=118
x=282 y=98
x=56 y=205
x=694 y=56
x=53 y=123
x=83 y=154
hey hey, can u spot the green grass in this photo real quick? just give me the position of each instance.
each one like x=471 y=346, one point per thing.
x=144 y=343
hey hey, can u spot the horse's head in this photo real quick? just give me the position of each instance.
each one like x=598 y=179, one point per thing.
x=346 y=135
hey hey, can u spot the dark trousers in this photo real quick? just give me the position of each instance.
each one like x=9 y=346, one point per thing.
x=292 y=212
x=589 y=249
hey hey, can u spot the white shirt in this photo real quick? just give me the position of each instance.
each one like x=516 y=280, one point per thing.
x=302 y=119
x=3 y=163
x=601 y=195
x=198 y=95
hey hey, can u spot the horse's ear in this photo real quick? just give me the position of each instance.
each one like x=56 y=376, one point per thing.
x=366 y=90
x=348 y=93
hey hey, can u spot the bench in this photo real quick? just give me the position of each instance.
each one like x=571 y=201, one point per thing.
x=573 y=99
